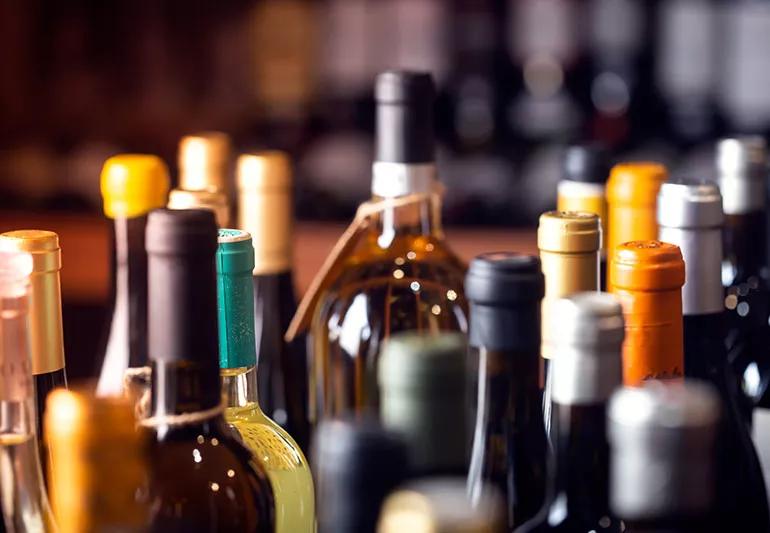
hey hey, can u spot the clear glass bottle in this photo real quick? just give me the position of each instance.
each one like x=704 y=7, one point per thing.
x=273 y=447
x=400 y=274
x=23 y=498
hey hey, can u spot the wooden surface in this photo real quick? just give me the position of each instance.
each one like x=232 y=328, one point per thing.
x=85 y=243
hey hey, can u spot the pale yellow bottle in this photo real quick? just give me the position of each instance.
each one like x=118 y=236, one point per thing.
x=276 y=450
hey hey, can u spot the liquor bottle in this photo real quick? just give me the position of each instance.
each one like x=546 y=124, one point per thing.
x=98 y=471
x=509 y=442
x=273 y=447
x=265 y=211
x=690 y=216
x=647 y=279
x=632 y=191
x=585 y=369
x=132 y=185
x=423 y=384
x=569 y=244
x=662 y=457
x=45 y=320
x=400 y=274
x=201 y=477
x=582 y=188
x=23 y=499
x=441 y=505
x=356 y=466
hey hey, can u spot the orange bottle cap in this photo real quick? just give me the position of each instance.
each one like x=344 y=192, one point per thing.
x=569 y=231
x=647 y=266
x=635 y=183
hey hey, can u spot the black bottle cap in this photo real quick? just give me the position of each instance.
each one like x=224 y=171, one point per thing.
x=357 y=464
x=587 y=163
x=504 y=278
x=405 y=117
x=182 y=310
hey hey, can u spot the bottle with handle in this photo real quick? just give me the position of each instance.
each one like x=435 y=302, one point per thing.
x=662 y=460
x=45 y=319
x=647 y=279
x=132 y=185
x=23 y=500
x=201 y=477
x=509 y=441
x=586 y=370
x=273 y=447
x=265 y=211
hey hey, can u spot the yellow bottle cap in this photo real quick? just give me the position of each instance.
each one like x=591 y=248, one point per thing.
x=133 y=184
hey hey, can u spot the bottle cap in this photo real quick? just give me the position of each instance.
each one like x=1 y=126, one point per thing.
x=586 y=163
x=203 y=160
x=504 y=278
x=569 y=232
x=662 y=438
x=587 y=363
x=405 y=131
x=264 y=171
x=690 y=204
x=235 y=299
x=415 y=361
x=133 y=184
x=647 y=266
x=441 y=505
x=183 y=232
x=210 y=199
x=741 y=170
x=635 y=184
x=41 y=244
x=356 y=465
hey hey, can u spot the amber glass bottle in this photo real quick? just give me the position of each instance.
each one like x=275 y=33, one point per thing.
x=400 y=275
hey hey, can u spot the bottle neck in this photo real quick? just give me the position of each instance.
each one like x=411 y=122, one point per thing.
x=745 y=248
x=184 y=387
x=267 y=216
x=239 y=387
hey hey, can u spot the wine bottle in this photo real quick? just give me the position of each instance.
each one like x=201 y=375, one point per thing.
x=662 y=441
x=45 y=320
x=132 y=185
x=509 y=442
x=23 y=499
x=98 y=470
x=214 y=201
x=690 y=216
x=400 y=274
x=273 y=447
x=265 y=211
x=569 y=244
x=201 y=477
x=586 y=368
x=632 y=191
x=647 y=278
x=441 y=505
x=582 y=188
x=356 y=466
x=423 y=385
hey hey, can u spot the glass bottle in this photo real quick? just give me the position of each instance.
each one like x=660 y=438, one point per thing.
x=647 y=279
x=201 y=477
x=662 y=457
x=632 y=191
x=132 y=185
x=45 y=320
x=423 y=398
x=98 y=473
x=23 y=499
x=400 y=274
x=509 y=442
x=569 y=244
x=273 y=447
x=586 y=368
x=265 y=211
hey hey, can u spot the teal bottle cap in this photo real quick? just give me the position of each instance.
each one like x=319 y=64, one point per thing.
x=235 y=299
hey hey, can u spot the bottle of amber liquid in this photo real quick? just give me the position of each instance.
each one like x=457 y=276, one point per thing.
x=265 y=211
x=400 y=275
x=647 y=278
x=98 y=474
x=632 y=194
x=201 y=477
x=45 y=319
x=569 y=244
